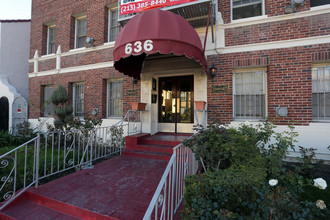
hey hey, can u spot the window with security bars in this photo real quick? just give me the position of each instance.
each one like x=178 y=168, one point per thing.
x=48 y=106
x=115 y=99
x=78 y=99
x=114 y=25
x=80 y=32
x=51 y=40
x=250 y=95
x=246 y=8
x=321 y=93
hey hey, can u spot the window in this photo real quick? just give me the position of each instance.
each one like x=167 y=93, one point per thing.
x=319 y=2
x=78 y=99
x=48 y=106
x=250 y=95
x=51 y=39
x=80 y=40
x=247 y=8
x=115 y=99
x=321 y=93
x=113 y=25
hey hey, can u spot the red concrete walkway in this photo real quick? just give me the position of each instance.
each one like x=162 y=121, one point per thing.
x=119 y=188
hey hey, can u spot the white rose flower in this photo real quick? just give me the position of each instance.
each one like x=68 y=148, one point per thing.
x=273 y=182
x=320 y=183
x=320 y=204
x=247 y=123
x=222 y=126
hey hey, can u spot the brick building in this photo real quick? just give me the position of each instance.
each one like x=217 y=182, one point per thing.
x=272 y=61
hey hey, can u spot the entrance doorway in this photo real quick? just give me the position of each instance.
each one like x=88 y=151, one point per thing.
x=176 y=100
x=4 y=114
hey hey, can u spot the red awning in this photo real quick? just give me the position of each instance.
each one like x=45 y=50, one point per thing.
x=154 y=32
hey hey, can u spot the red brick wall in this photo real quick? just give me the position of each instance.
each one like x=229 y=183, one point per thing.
x=289 y=82
x=277 y=7
x=62 y=12
x=95 y=89
x=282 y=30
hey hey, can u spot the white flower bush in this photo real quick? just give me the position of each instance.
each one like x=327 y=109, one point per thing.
x=320 y=183
x=273 y=182
x=320 y=204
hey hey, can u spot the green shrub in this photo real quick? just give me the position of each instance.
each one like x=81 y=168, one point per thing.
x=7 y=139
x=21 y=134
x=62 y=109
x=226 y=189
x=240 y=189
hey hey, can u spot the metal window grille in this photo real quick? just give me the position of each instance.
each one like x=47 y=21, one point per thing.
x=114 y=25
x=48 y=106
x=115 y=99
x=246 y=8
x=78 y=99
x=81 y=32
x=249 y=95
x=51 y=40
x=321 y=93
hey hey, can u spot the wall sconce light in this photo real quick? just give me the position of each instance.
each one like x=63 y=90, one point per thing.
x=134 y=81
x=213 y=71
x=90 y=41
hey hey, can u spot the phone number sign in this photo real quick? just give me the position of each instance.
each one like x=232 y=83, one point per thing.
x=133 y=6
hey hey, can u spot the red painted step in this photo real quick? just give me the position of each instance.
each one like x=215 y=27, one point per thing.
x=153 y=148
x=158 y=146
x=147 y=154
x=160 y=142
x=36 y=206
x=31 y=210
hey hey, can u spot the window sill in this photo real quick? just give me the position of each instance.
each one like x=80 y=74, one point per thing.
x=77 y=49
x=315 y=8
x=321 y=121
x=111 y=43
x=243 y=20
x=114 y=117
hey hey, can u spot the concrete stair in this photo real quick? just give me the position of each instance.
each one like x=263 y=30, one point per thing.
x=34 y=206
x=158 y=146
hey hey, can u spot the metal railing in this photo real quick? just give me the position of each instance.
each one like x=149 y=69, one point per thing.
x=131 y=122
x=169 y=193
x=52 y=153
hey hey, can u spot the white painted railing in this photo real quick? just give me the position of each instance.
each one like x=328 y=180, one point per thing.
x=169 y=193
x=52 y=153
x=132 y=121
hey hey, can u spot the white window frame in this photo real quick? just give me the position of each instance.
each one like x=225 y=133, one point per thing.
x=48 y=106
x=241 y=19
x=109 y=22
x=315 y=69
x=48 y=39
x=108 y=99
x=76 y=31
x=250 y=70
x=74 y=101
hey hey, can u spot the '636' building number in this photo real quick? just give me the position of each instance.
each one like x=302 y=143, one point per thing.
x=137 y=46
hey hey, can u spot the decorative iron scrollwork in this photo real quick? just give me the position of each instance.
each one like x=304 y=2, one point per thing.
x=4 y=162
x=160 y=200
x=8 y=195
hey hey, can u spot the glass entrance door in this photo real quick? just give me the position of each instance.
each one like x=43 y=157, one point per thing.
x=176 y=100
